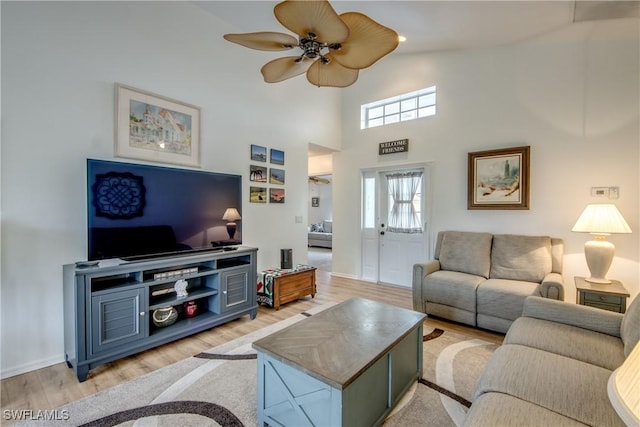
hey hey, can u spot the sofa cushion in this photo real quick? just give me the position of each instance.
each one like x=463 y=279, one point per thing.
x=497 y=409
x=504 y=298
x=560 y=384
x=320 y=236
x=452 y=288
x=577 y=343
x=317 y=228
x=629 y=330
x=327 y=226
x=519 y=257
x=466 y=252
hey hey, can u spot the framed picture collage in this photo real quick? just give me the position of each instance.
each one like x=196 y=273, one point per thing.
x=270 y=170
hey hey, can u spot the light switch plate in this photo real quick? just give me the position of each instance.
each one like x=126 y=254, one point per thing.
x=614 y=192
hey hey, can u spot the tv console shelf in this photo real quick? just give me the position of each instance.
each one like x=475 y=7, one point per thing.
x=108 y=308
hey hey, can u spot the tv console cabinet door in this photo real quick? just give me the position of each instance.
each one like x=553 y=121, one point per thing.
x=235 y=289
x=117 y=318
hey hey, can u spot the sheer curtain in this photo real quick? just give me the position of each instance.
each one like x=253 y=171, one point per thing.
x=403 y=217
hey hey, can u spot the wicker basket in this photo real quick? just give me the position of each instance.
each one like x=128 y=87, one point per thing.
x=164 y=316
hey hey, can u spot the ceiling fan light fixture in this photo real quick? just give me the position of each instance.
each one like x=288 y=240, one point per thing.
x=334 y=47
x=368 y=41
x=318 y=17
x=264 y=40
x=285 y=68
x=327 y=72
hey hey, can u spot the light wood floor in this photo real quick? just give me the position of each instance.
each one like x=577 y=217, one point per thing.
x=56 y=385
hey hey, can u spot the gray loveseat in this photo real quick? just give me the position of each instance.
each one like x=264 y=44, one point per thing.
x=482 y=279
x=321 y=234
x=554 y=367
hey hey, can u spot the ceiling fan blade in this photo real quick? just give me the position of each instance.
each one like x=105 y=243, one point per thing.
x=368 y=41
x=284 y=68
x=317 y=17
x=265 y=40
x=332 y=74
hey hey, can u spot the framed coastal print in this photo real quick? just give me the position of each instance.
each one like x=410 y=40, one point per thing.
x=276 y=176
x=155 y=128
x=257 y=173
x=276 y=195
x=498 y=179
x=258 y=153
x=277 y=157
x=257 y=194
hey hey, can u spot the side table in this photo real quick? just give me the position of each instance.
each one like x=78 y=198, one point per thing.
x=612 y=296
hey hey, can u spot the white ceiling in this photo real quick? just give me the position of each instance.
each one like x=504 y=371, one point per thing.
x=432 y=25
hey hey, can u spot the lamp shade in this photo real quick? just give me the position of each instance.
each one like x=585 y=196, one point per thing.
x=231 y=214
x=601 y=219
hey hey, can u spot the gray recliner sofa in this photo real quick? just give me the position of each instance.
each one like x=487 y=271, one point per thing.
x=321 y=234
x=556 y=366
x=482 y=279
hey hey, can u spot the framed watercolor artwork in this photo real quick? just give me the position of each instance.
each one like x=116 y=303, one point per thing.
x=498 y=179
x=155 y=128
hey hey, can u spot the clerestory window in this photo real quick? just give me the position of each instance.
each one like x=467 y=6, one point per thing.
x=401 y=108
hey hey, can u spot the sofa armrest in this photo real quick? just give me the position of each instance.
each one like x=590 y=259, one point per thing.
x=591 y=318
x=553 y=286
x=420 y=271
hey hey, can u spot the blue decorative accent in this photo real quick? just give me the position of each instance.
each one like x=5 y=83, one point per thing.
x=118 y=195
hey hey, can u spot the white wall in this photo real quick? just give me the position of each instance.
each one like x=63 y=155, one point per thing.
x=59 y=65
x=325 y=209
x=573 y=96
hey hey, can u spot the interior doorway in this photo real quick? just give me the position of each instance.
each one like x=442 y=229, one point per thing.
x=320 y=236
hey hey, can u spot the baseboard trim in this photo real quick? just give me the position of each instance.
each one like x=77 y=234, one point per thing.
x=31 y=366
x=345 y=276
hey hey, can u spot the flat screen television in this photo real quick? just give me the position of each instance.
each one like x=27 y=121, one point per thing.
x=139 y=211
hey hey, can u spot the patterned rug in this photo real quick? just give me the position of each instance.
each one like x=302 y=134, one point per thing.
x=218 y=387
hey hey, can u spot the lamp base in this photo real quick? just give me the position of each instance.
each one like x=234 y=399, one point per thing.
x=231 y=229
x=598 y=280
x=599 y=254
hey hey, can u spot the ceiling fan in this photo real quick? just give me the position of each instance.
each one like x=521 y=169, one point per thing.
x=319 y=180
x=334 y=47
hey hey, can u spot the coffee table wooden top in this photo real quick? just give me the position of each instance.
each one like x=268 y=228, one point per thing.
x=338 y=344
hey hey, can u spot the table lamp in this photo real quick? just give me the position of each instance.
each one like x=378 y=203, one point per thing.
x=600 y=220
x=231 y=215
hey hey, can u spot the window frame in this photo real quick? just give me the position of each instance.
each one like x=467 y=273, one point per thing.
x=375 y=114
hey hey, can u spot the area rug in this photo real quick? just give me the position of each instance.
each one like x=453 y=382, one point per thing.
x=218 y=387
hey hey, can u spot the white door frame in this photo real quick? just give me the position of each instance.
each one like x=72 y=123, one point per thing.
x=370 y=237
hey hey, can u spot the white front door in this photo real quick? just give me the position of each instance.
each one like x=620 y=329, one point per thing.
x=401 y=228
x=388 y=254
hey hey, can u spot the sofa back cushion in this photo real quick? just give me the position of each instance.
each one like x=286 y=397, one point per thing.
x=465 y=251
x=328 y=226
x=629 y=329
x=517 y=257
